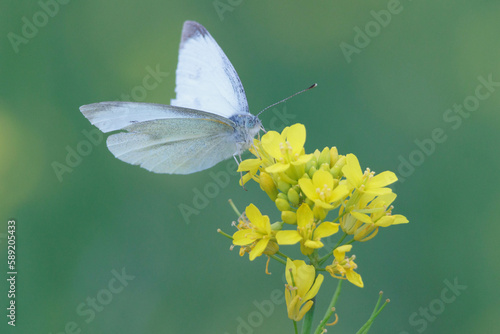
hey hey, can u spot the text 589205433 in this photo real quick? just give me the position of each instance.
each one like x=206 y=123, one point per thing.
x=12 y=271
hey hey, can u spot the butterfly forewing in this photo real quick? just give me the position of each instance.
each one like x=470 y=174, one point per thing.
x=205 y=78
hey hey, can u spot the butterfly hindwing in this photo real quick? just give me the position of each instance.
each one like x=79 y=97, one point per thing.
x=161 y=138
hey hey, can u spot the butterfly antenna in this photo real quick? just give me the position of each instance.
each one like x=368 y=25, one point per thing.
x=302 y=91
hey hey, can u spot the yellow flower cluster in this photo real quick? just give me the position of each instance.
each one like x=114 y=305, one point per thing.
x=306 y=188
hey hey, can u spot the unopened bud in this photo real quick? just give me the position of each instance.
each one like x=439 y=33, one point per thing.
x=334 y=156
x=324 y=157
x=337 y=168
x=293 y=197
x=282 y=204
x=289 y=217
x=267 y=184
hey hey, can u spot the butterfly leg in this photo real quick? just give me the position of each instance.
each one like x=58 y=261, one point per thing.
x=241 y=173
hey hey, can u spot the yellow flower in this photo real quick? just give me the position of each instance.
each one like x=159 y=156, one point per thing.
x=364 y=223
x=307 y=233
x=301 y=288
x=286 y=148
x=252 y=166
x=366 y=182
x=257 y=233
x=343 y=267
x=323 y=190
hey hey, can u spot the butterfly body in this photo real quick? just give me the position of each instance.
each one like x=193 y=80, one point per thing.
x=246 y=128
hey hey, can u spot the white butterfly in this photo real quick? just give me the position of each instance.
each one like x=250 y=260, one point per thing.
x=206 y=123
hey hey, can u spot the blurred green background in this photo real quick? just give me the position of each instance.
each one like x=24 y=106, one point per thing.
x=76 y=232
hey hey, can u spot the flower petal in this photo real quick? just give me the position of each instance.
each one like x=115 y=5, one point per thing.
x=322 y=178
x=288 y=237
x=326 y=229
x=362 y=217
x=241 y=237
x=354 y=278
x=302 y=159
x=304 y=215
x=304 y=278
x=352 y=170
x=258 y=248
x=314 y=244
x=277 y=168
x=378 y=191
x=338 y=193
x=382 y=179
x=256 y=217
x=303 y=310
x=385 y=221
x=271 y=143
x=296 y=136
x=249 y=164
x=339 y=252
x=400 y=219
x=324 y=205
x=308 y=188
x=315 y=288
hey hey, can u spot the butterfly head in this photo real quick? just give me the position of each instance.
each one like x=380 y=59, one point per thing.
x=247 y=127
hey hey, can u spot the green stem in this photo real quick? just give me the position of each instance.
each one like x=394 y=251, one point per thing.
x=330 y=310
x=283 y=255
x=295 y=327
x=375 y=313
x=224 y=234
x=342 y=215
x=235 y=208
x=327 y=256
x=308 y=318
x=277 y=259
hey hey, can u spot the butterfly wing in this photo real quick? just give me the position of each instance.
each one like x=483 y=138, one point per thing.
x=161 y=138
x=205 y=79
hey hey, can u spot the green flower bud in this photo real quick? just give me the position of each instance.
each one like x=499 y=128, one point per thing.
x=334 y=156
x=267 y=184
x=311 y=171
x=312 y=163
x=324 y=157
x=283 y=196
x=289 y=217
x=319 y=212
x=277 y=226
x=282 y=204
x=325 y=167
x=293 y=197
x=337 y=168
x=283 y=186
x=309 y=202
